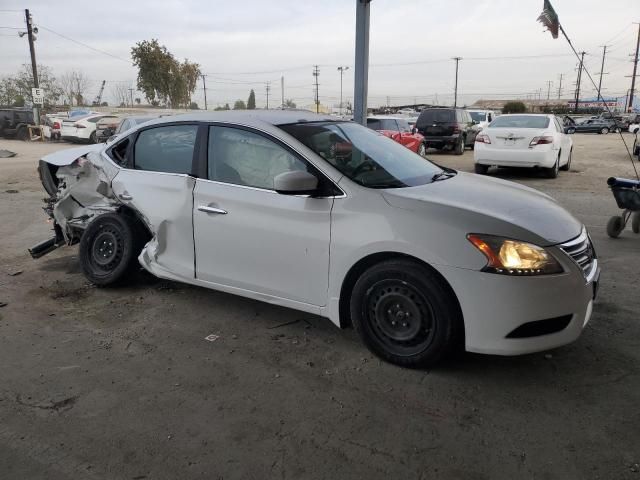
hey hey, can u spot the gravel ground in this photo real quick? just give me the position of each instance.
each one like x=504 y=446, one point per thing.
x=120 y=383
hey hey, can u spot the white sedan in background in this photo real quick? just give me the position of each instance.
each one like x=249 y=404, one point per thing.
x=524 y=140
x=83 y=129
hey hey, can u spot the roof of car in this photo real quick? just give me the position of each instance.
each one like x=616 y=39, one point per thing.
x=249 y=117
x=385 y=117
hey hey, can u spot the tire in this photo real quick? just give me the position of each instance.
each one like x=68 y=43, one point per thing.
x=422 y=150
x=93 y=138
x=553 y=171
x=22 y=134
x=567 y=166
x=571 y=131
x=604 y=130
x=405 y=314
x=615 y=226
x=109 y=248
x=459 y=147
x=481 y=169
x=635 y=222
x=636 y=130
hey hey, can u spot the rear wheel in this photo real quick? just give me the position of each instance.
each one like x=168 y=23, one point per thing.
x=604 y=130
x=109 y=248
x=22 y=134
x=422 y=151
x=405 y=314
x=567 y=166
x=615 y=226
x=571 y=130
x=459 y=147
x=481 y=169
x=93 y=138
x=553 y=171
x=635 y=222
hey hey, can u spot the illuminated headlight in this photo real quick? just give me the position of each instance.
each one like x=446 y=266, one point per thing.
x=513 y=257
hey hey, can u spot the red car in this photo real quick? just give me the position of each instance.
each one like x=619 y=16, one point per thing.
x=398 y=129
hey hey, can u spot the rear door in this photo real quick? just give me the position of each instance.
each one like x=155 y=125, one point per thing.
x=251 y=238
x=156 y=181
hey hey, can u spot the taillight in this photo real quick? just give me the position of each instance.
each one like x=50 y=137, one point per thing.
x=56 y=124
x=482 y=138
x=79 y=125
x=541 y=140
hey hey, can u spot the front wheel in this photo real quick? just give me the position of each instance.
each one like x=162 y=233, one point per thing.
x=481 y=169
x=109 y=248
x=615 y=226
x=405 y=314
x=93 y=138
x=23 y=134
x=422 y=151
x=571 y=131
x=604 y=130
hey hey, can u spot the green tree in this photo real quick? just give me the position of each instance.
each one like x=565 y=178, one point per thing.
x=251 y=103
x=19 y=101
x=514 y=107
x=161 y=77
x=194 y=106
x=239 y=105
x=17 y=88
x=289 y=103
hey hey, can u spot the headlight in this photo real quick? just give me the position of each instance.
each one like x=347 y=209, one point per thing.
x=512 y=257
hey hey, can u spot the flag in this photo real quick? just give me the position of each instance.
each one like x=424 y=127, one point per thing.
x=549 y=18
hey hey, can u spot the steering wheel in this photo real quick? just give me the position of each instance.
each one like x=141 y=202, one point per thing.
x=360 y=168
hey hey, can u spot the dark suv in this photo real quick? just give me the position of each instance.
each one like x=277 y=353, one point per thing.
x=14 y=122
x=446 y=127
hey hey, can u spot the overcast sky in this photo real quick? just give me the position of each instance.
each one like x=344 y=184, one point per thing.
x=243 y=44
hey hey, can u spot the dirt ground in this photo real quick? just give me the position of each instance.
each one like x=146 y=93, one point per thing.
x=120 y=383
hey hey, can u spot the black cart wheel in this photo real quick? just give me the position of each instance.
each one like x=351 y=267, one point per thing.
x=635 y=222
x=109 y=248
x=615 y=226
x=405 y=314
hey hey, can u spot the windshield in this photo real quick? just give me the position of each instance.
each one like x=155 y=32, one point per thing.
x=366 y=157
x=478 y=116
x=520 y=121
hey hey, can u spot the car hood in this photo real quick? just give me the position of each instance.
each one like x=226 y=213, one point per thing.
x=526 y=208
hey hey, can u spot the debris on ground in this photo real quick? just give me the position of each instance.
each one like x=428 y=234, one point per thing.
x=7 y=154
x=3 y=304
x=211 y=338
x=15 y=274
x=12 y=191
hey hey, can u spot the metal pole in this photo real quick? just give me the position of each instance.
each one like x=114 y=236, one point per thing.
x=455 y=91
x=34 y=66
x=341 y=69
x=268 y=88
x=549 y=83
x=131 y=95
x=560 y=87
x=282 y=90
x=361 y=66
x=635 y=68
x=316 y=73
x=204 y=88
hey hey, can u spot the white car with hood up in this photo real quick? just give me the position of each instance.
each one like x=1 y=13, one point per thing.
x=524 y=140
x=328 y=217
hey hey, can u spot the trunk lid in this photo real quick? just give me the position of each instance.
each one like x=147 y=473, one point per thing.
x=512 y=138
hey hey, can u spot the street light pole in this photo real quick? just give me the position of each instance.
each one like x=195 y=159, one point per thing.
x=342 y=70
x=455 y=91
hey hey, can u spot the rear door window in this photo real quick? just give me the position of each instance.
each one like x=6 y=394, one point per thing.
x=436 y=116
x=165 y=149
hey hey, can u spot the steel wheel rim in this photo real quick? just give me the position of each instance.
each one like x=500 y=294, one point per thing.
x=107 y=249
x=400 y=317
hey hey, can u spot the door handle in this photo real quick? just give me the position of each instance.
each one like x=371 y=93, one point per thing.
x=207 y=209
x=125 y=196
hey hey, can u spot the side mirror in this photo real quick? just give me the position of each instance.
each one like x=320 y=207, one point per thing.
x=297 y=182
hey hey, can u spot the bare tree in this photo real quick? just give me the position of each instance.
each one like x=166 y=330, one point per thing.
x=66 y=83
x=74 y=84
x=120 y=92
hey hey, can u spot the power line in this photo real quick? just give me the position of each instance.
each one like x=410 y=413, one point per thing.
x=84 y=44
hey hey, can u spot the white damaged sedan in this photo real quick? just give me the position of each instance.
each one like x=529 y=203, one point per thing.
x=328 y=217
x=524 y=140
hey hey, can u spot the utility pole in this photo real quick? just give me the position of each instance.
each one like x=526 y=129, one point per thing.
x=602 y=72
x=361 y=64
x=316 y=74
x=131 y=95
x=204 y=89
x=282 y=90
x=560 y=87
x=341 y=69
x=268 y=88
x=549 y=83
x=34 y=67
x=582 y=54
x=455 y=91
x=635 y=69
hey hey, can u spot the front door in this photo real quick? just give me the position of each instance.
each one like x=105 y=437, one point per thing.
x=251 y=238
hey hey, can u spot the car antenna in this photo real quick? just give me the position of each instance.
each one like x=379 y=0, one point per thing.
x=549 y=18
